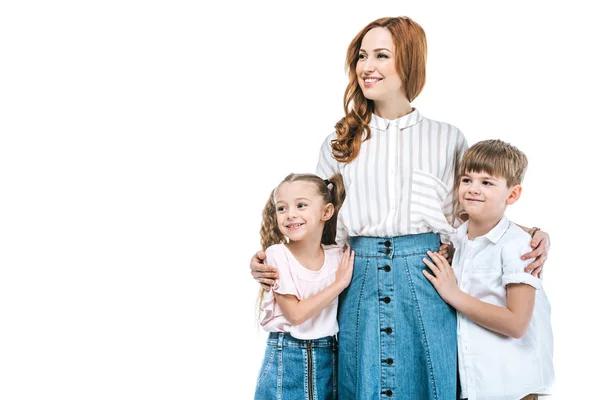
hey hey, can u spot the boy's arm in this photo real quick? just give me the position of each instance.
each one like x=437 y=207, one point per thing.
x=299 y=311
x=510 y=321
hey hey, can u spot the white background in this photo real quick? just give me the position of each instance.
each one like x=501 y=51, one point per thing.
x=140 y=140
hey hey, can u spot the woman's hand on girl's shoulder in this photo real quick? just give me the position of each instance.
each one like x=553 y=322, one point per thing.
x=345 y=269
x=263 y=274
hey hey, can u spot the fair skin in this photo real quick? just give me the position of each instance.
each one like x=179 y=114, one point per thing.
x=378 y=77
x=301 y=216
x=484 y=198
x=380 y=82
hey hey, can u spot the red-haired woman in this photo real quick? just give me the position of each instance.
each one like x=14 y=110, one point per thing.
x=397 y=337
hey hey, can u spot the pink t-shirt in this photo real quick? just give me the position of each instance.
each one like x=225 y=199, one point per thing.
x=301 y=282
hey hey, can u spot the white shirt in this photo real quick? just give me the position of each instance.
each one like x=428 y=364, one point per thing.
x=401 y=182
x=493 y=366
x=301 y=282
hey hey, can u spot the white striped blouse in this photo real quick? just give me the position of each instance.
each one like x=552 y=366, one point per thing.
x=401 y=182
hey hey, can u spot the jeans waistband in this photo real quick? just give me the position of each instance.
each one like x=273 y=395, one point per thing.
x=395 y=246
x=284 y=339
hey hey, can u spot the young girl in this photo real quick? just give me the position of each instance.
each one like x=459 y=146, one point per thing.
x=300 y=312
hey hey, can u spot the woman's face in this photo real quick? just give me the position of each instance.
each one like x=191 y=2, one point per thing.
x=376 y=67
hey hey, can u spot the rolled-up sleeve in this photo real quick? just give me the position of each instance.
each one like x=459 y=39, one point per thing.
x=513 y=268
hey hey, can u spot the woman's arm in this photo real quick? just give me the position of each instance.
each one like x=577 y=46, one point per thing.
x=512 y=320
x=299 y=311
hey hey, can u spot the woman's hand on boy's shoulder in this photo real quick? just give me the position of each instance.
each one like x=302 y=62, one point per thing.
x=263 y=274
x=540 y=243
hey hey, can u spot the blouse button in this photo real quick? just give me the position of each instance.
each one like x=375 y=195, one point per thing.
x=387 y=300
x=387 y=268
x=389 y=361
x=388 y=330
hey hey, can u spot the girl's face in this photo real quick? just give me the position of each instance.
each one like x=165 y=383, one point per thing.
x=301 y=211
x=376 y=67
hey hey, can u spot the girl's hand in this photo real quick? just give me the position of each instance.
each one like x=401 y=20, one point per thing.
x=263 y=274
x=344 y=273
x=541 y=245
x=444 y=280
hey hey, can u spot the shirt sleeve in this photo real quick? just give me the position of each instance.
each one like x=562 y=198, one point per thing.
x=327 y=165
x=513 y=268
x=285 y=284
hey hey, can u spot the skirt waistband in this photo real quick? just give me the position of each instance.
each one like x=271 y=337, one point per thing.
x=395 y=246
x=284 y=339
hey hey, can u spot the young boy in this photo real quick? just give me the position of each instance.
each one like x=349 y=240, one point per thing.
x=504 y=334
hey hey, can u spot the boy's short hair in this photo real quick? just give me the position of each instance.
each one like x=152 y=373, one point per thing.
x=496 y=158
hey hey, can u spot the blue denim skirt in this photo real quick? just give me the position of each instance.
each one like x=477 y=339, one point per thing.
x=295 y=369
x=397 y=337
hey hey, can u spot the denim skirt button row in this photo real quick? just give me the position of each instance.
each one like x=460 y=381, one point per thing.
x=397 y=337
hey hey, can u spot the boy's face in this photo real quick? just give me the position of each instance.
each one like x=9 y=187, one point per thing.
x=485 y=197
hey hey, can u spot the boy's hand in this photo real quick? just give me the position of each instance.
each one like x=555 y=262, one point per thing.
x=444 y=280
x=344 y=273
x=540 y=243
x=263 y=274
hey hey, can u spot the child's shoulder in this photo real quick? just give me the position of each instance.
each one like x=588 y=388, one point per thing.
x=515 y=236
x=333 y=249
x=515 y=242
x=275 y=250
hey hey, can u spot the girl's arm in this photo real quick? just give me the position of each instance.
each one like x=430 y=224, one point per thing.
x=299 y=311
x=512 y=320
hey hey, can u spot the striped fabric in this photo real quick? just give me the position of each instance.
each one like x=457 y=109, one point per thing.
x=401 y=182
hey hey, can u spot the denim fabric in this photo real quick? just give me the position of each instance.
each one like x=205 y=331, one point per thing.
x=397 y=337
x=284 y=374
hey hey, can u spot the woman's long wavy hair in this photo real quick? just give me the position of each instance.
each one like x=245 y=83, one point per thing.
x=334 y=194
x=411 y=56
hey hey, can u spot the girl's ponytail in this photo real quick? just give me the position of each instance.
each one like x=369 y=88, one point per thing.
x=337 y=195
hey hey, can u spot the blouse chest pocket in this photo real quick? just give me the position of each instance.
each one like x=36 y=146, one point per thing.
x=426 y=186
x=429 y=202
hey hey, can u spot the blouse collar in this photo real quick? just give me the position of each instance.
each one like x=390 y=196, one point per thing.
x=406 y=121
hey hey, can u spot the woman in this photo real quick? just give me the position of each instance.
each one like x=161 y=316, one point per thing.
x=397 y=337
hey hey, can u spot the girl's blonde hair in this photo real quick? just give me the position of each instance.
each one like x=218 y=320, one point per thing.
x=411 y=56
x=331 y=190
